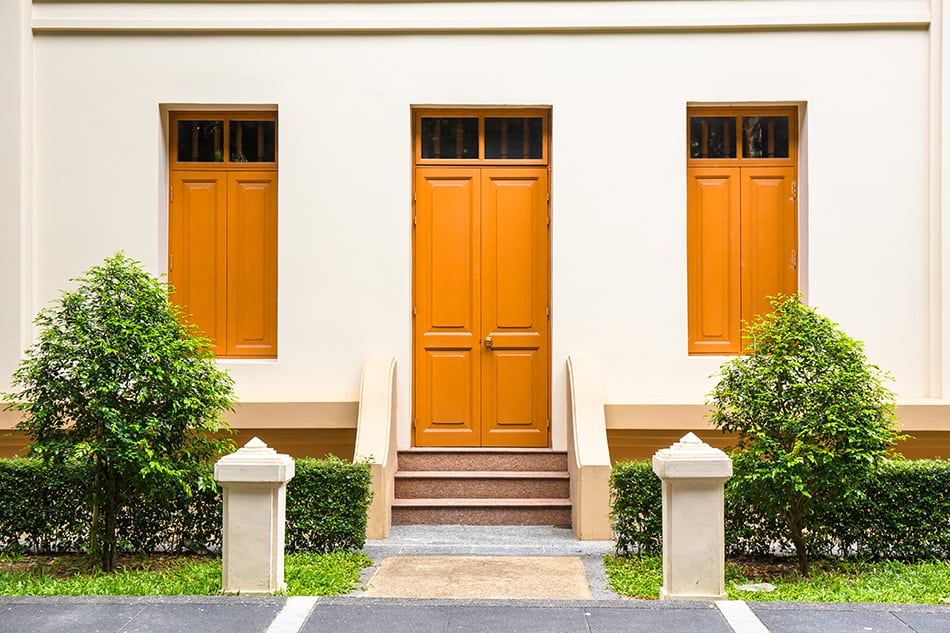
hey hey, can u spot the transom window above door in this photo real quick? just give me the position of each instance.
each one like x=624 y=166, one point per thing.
x=724 y=134
x=493 y=137
x=204 y=140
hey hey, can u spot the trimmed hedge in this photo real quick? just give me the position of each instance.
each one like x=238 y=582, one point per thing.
x=327 y=502
x=901 y=512
x=42 y=510
x=636 y=508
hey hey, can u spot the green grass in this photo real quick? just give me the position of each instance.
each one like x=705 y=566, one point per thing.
x=830 y=581
x=306 y=574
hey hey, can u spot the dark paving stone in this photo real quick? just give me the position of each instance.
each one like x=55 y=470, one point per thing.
x=926 y=622
x=517 y=620
x=646 y=620
x=65 y=618
x=384 y=618
x=830 y=620
x=207 y=618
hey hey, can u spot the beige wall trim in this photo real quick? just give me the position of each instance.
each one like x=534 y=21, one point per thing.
x=477 y=17
x=376 y=439
x=588 y=458
x=914 y=415
x=294 y=415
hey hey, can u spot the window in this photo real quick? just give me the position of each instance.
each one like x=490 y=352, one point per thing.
x=742 y=219
x=222 y=243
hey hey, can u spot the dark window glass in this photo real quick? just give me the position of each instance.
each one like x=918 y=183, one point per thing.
x=454 y=137
x=712 y=137
x=252 y=141
x=765 y=137
x=200 y=141
x=513 y=137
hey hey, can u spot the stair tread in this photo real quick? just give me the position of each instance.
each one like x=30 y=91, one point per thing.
x=482 y=501
x=479 y=449
x=483 y=474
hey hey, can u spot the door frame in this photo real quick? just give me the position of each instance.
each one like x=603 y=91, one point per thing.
x=417 y=161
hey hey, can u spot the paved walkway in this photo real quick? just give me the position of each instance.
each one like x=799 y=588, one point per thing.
x=604 y=612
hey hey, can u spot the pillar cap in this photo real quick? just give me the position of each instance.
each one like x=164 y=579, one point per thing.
x=691 y=458
x=255 y=462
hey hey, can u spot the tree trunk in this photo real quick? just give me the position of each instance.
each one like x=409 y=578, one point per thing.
x=794 y=517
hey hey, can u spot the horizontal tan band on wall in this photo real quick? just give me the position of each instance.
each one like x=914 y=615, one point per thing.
x=294 y=415
x=917 y=415
x=270 y=415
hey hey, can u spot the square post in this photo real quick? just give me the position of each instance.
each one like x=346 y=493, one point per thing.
x=254 y=479
x=694 y=476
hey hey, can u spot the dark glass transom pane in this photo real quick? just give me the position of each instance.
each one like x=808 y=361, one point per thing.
x=765 y=137
x=712 y=137
x=449 y=137
x=200 y=141
x=514 y=137
x=252 y=141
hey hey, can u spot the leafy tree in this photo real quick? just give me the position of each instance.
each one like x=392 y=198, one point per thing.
x=812 y=416
x=118 y=381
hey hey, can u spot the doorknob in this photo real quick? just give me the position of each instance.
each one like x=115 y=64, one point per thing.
x=489 y=342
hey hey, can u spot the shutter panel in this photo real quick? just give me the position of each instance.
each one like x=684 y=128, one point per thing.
x=713 y=250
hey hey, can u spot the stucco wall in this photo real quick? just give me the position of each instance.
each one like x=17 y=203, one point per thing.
x=618 y=205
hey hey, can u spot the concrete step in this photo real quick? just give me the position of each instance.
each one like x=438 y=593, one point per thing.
x=482 y=511
x=506 y=484
x=483 y=459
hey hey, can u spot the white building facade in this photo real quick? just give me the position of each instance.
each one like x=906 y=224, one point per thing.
x=90 y=91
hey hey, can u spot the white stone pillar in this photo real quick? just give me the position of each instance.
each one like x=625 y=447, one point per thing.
x=694 y=475
x=254 y=479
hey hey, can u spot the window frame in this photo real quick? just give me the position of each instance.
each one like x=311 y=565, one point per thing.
x=698 y=343
x=264 y=171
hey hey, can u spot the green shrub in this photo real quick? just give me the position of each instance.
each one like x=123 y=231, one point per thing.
x=42 y=509
x=899 y=511
x=812 y=418
x=327 y=502
x=636 y=508
x=904 y=513
x=116 y=381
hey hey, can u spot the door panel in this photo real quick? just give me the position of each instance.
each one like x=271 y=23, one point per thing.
x=446 y=350
x=769 y=237
x=713 y=224
x=196 y=247
x=514 y=307
x=252 y=287
x=481 y=270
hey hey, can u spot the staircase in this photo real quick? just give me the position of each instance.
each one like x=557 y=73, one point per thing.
x=476 y=486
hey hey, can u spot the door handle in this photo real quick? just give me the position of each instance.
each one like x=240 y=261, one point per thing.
x=488 y=342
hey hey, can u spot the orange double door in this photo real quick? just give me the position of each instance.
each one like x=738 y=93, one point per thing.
x=481 y=350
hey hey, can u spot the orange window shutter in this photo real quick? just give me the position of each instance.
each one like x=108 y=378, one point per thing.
x=252 y=265
x=713 y=251
x=198 y=251
x=769 y=237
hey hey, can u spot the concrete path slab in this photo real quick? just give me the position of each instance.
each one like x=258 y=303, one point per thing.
x=362 y=618
x=824 y=620
x=481 y=577
x=151 y=614
x=926 y=622
x=58 y=617
x=704 y=619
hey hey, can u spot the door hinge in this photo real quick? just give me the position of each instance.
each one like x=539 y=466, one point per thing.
x=413 y=311
x=549 y=197
x=413 y=220
x=413 y=424
x=794 y=259
x=794 y=190
x=171 y=262
x=171 y=193
x=548 y=311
